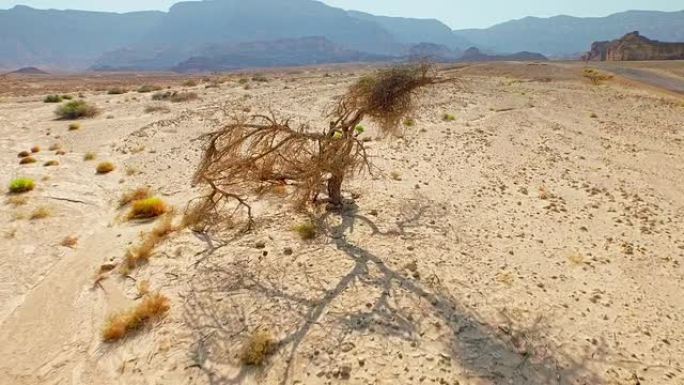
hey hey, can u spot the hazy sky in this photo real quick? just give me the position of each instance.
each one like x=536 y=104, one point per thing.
x=456 y=13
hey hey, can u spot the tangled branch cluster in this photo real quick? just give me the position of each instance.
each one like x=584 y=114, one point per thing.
x=263 y=152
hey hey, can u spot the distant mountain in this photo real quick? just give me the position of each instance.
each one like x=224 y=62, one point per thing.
x=66 y=39
x=28 y=71
x=214 y=32
x=274 y=53
x=416 y=31
x=561 y=36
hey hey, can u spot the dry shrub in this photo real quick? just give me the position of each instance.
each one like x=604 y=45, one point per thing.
x=386 y=96
x=175 y=96
x=89 y=156
x=23 y=154
x=151 y=109
x=141 y=254
x=70 y=241
x=40 y=213
x=55 y=147
x=51 y=163
x=263 y=152
x=152 y=307
x=148 y=208
x=35 y=149
x=137 y=194
x=257 y=348
x=74 y=126
x=117 y=91
x=148 y=88
x=17 y=200
x=76 y=109
x=28 y=160
x=306 y=230
x=198 y=215
x=105 y=168
x=596 y=77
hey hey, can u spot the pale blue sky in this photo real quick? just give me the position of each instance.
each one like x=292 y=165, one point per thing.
x=456 y=13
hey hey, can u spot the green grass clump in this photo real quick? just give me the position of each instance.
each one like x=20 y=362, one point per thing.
x=76 y=109
x=448 y=117
x=148 y=208
x=306 y=230
x=52 y=99
x=409 y=122
x=21 y=185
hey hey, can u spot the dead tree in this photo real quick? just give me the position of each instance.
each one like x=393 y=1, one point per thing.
x=263 y=152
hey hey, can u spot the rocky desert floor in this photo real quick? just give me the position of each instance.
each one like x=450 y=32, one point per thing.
x=535 y=238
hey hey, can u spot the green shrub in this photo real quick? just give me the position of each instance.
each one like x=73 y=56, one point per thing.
x=21 y=185
x=67 y=97
x=53 y=99
x=448 y=117
x=76 y=109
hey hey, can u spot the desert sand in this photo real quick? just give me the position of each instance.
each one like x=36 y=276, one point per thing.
x=536 y=238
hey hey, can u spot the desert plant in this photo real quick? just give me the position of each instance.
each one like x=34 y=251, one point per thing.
x=35 y=149
x=152 y=307
x=69 y=241
x=148 y=88
x=148 y=208
x=262 y=152
x=105 y=168
x=137 y=194
x=21 y=185
x=409 y=122
x=28 y=160
x=74 y=126
x=117 y=91
x=51 y=163
x=67 y=97
x=448 y=117
x=17 y=200
x=23 y=154
x=175 y=96
x=596 y=77
x=259 y=78
x=257 y=348
x=89 y=156
x=141 y=254
x=306 y=230
x=189 y=83
x=52 y=99
x=150 y=109
x=41 y=212
x=76 y=109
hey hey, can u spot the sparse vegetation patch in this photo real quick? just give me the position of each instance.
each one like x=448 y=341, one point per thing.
x=76 y=109
x=148 y=208
x=105 y=168
x=153 y=306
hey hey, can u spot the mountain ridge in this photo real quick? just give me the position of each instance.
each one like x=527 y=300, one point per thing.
x=156 y=40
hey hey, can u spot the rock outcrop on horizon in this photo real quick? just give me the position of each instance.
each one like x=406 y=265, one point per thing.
x=473 y=54
x=632 y=47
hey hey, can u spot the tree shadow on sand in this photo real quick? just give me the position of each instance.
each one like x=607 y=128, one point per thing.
x=313 y=303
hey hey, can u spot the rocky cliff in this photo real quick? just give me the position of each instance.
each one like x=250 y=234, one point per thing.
x=634 y=46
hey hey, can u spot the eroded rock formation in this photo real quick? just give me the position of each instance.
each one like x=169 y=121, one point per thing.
x=633 y=46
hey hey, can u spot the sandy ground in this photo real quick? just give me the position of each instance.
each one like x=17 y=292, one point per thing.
x=537 y=239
